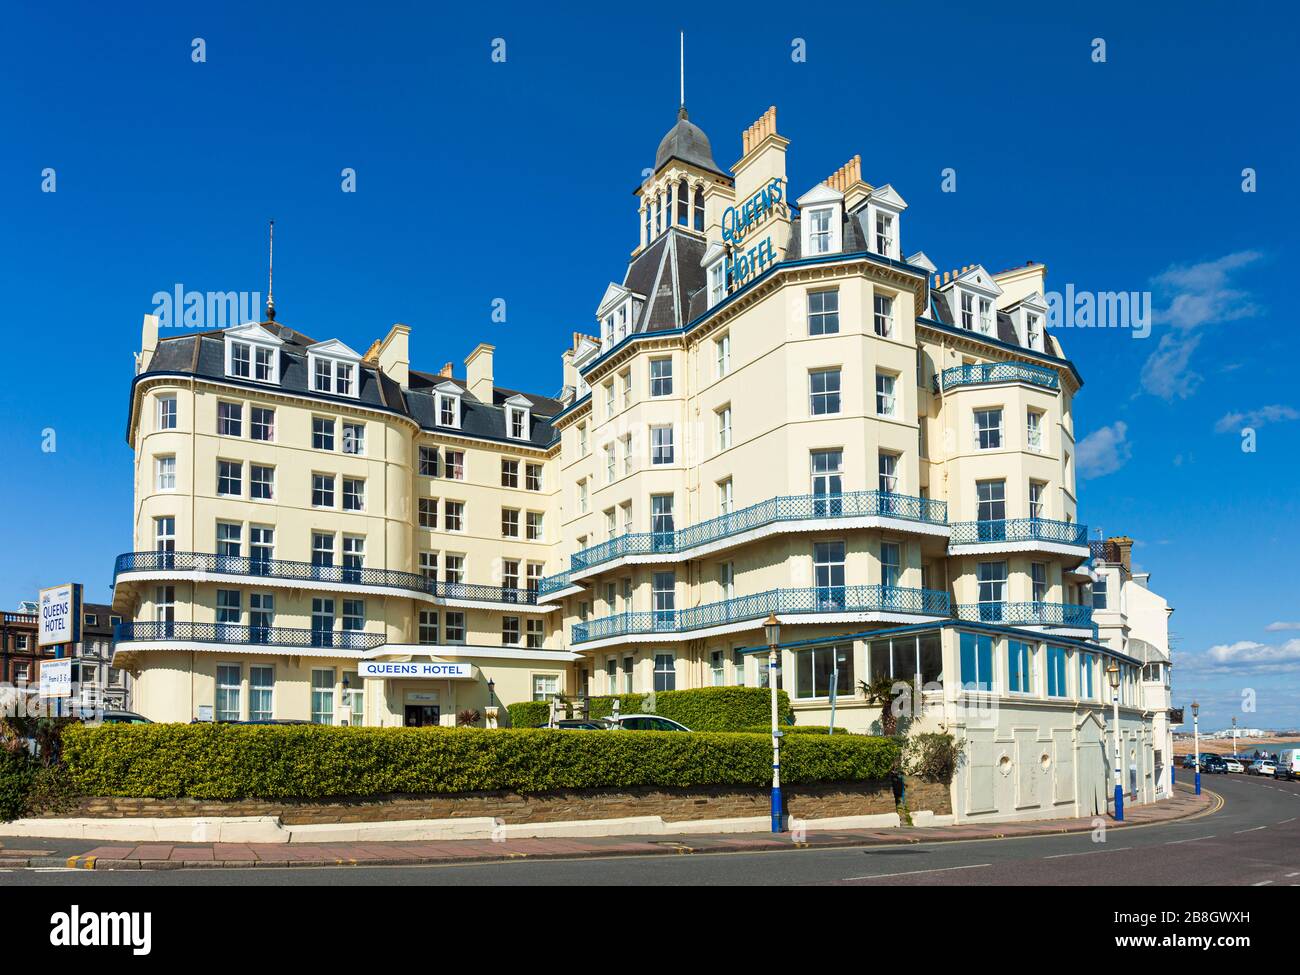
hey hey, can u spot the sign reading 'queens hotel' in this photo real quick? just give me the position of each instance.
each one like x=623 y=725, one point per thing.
x=781 y=411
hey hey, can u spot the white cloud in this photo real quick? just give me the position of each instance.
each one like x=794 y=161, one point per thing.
x=1281 y=625
x=1167 y=373
x=1276 y=413
x=1194 y=295
x=1250 y=654
x=1104 y=451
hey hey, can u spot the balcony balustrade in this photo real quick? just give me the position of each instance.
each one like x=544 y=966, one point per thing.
x=1018 y=530
x=308 y=573
x=822 y=599
x=783 y=508
x=269 y=636
x=987 y=373
x=1027 y=614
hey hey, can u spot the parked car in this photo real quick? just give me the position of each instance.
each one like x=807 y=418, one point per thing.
x=269 y=721
x=1288 y=763
x=1214 y=765
x=1234 y=765
x=579 y=724
x=645 y=722
x=123 y=717
x=1262 y=766
x=1189 y=761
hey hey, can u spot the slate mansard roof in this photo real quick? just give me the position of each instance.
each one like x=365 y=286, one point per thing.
x=202 y=355
x=668 y=274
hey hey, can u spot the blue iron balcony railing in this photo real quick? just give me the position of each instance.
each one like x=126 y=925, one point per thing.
x=985 y=373
x=824 y=599
x=792 y=507
x=1030 y=613
x=1097 y=550
x=267 y=636
x=308 y=572
x=1018 y=530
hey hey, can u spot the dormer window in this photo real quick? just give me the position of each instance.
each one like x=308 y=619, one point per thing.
x=264 y=364
x=518 y=417
x=253 y=353
x=967 y=311
x=333 y=368
x=333 y=376
x=986 y=316
x=819 y=230
x=821 y=210
x=880 y=222
x=884 y=234
x=240 y=354
x=717 y=282
x=1034 y=331
x=447 y=396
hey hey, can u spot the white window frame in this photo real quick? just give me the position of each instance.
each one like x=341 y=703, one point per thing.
x=1034 y=437
x=166 y=411
x=992 y=430
x=342 y=374
x=717 y=282
x=663 y=383
x=820 y=230
x=518 y=419
x=886 y=398
x=165 y=479
x=446 y=406
x=883 y=315
x=663 y=452
x=838 y=393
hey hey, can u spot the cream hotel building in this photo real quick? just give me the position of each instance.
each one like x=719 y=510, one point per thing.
x=781 y=410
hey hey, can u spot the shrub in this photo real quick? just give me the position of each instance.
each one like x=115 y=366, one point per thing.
x=529 y=714
x=933 y=756
x=16 y=772
x=205 y=761
x=704 y=708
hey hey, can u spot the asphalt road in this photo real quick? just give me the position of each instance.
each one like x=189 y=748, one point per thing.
x=1253 y=840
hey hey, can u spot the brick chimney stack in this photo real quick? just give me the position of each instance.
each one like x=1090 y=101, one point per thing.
x=1123 y=547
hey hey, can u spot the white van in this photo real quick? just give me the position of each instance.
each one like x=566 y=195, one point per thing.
x=1288 y=763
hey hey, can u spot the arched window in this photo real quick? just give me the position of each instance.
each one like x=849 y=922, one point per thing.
x=699 y=208
x=649 y=232
x=684 y=203
x=659 y=212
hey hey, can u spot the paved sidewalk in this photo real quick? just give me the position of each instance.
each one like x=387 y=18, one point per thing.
x=163 y=856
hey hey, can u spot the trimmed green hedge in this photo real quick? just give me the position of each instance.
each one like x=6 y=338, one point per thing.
x=205 y=761
x=794 y=729
x=704 y=708
x=529 y=714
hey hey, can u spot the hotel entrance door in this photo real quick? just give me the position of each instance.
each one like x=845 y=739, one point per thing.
x=421 y=715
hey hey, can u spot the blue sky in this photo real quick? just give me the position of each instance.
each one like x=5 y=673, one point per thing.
x=1123 y=175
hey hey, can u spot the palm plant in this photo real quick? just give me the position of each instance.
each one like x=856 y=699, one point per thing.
x=880 y=691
